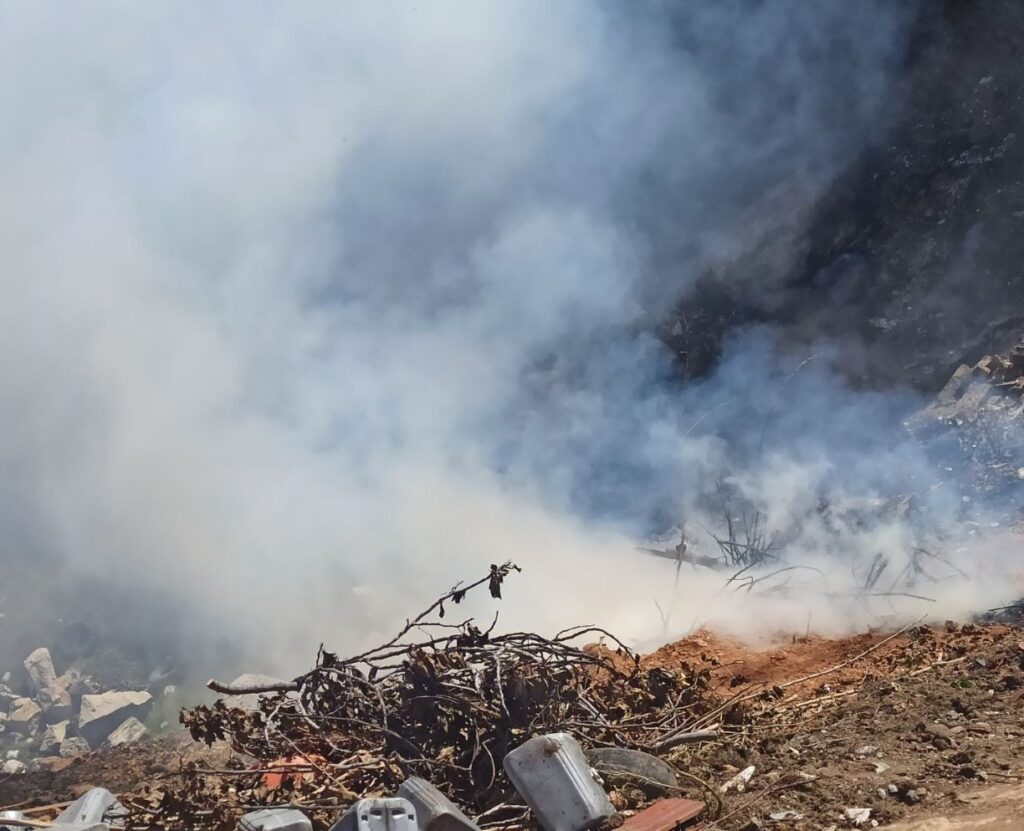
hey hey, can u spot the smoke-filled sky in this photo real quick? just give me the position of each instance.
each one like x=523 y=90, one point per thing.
x=309 y=310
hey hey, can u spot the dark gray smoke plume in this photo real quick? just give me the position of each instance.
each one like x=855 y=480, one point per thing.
x=309 y=310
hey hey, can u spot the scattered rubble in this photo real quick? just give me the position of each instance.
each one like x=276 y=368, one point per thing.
x=63 y=716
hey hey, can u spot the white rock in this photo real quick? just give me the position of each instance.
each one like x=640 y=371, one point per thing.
x=39 y=666
x=13 y=766
x=128 y=732
x=102 y=714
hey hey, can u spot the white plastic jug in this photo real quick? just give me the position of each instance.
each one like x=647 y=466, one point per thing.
x=553 y=776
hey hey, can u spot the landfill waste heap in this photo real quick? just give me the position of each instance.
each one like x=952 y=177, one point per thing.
x=456 y=706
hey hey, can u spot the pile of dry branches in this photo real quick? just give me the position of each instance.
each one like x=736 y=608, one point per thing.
x=445 y=701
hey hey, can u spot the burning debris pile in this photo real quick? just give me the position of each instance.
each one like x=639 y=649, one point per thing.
x=46 y=717
x=449 y=703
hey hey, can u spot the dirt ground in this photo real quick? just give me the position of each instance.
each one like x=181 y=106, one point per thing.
x=921 y=727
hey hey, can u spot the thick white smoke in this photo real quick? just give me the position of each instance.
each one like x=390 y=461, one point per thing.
x=310 y=309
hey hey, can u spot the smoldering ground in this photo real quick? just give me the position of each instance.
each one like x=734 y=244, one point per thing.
x=309 y=311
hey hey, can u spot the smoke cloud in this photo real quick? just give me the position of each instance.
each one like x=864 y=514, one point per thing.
x=308 y=311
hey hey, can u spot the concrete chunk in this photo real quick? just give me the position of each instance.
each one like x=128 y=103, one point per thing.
x=55 y=702
x=102 y=714
x=39 y=666
x=128 y=732
x=24 y=716
x=53 y=738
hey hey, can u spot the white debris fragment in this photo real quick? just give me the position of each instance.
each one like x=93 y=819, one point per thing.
x=857 y=816
x=740 y=781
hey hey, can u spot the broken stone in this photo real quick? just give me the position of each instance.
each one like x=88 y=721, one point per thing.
x=53 y=738
x=102 y=714
x=55 y=702
x=74 y=746
x=621 y=767
x=785 y=816
x=275 y=819
x=13 y=766
x=128 y=732
x=23 y=717
x=39 y=666
x=866 y=750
